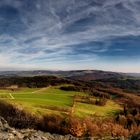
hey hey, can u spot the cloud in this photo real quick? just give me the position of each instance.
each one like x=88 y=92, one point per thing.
x=40 y=32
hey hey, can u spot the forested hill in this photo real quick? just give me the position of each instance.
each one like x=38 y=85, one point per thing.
x=81 y=74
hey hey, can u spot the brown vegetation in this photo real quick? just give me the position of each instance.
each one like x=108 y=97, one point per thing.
x=90 y=100
x=123 y=126
x=126 y=122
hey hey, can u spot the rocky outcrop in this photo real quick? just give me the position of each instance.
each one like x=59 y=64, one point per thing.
x=8 y=133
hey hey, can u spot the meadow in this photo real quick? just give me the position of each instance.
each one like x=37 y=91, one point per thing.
x=53 y=100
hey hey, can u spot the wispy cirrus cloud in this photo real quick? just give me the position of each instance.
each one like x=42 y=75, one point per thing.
x=51 y=34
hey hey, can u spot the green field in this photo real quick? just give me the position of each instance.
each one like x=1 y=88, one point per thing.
x=52 y=100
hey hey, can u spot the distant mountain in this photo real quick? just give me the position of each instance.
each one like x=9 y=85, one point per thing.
x=27 y=73
x=85 y=75
x=94 y=75
x=134 y=74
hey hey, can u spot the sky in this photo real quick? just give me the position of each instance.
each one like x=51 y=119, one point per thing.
x=70 y=35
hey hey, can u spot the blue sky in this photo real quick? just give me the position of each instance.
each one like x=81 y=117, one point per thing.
x=70 y=35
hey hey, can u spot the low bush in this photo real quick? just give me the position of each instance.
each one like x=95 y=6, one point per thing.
x=17 y=118
x=123 y=126
x=101 y=102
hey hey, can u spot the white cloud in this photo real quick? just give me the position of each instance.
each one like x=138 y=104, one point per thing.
x=47 y=23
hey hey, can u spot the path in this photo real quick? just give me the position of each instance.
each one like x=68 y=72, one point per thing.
x=11 y=96
x=42 y=89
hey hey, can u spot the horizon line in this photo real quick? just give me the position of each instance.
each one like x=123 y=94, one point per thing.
x=20 y=70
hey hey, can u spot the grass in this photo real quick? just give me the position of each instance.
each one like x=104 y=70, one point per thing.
x=110 y=109
x=52 y=100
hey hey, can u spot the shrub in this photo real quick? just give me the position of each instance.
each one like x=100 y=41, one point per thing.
x=76 y=127
x=101 y=102
x=51 y=123
x=71 y=125
x=17 y=118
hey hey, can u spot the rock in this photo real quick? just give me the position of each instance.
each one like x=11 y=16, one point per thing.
x=8 y=133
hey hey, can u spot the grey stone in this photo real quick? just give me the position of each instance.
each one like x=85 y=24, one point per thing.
x=8 y=133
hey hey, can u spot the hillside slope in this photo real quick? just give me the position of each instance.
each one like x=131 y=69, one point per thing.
x=8 y=133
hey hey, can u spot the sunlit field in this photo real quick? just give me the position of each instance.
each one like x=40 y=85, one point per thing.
x=52 y=100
